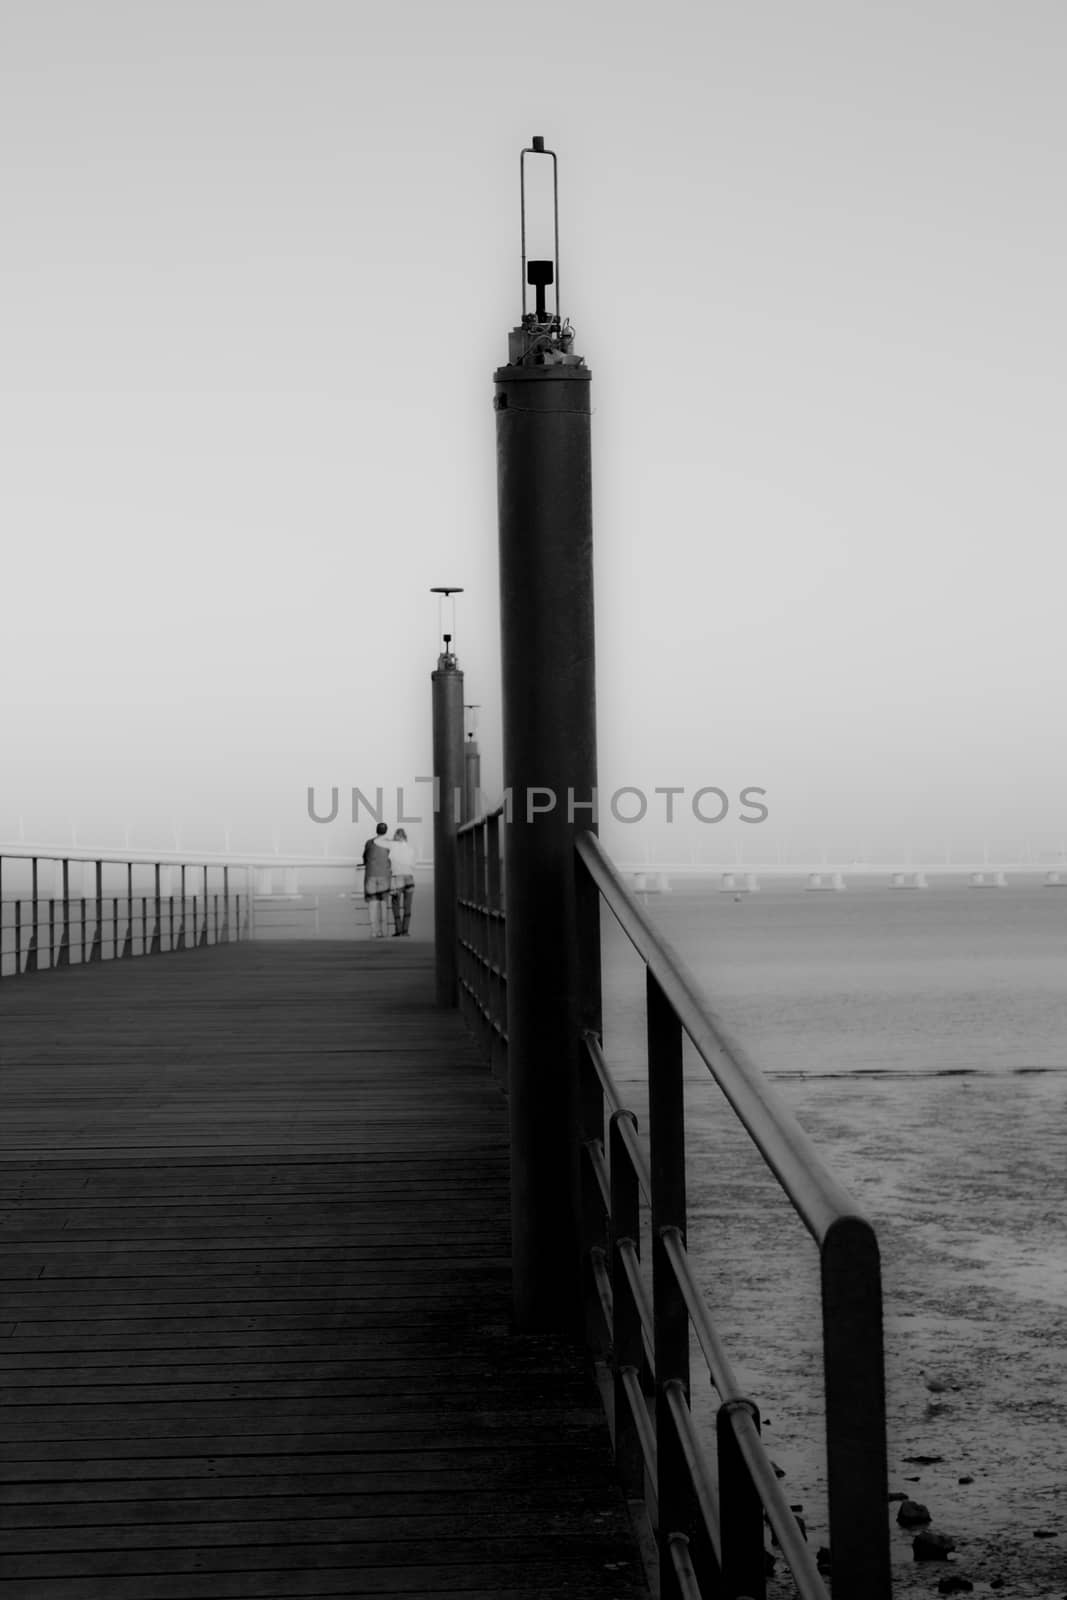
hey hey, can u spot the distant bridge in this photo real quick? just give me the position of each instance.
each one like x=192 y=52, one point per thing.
x=738 y=880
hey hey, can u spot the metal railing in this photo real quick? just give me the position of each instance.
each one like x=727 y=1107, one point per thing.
x=709 y=1506
x=481 y=963
x=112 y=913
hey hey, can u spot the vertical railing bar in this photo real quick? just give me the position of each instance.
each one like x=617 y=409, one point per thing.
x=637 y=1410
x=627 y=1332
x=157 y=931
x=705 y=1538
x=31 y=954
x=740 y=1509
x=594 y=1222
x=854 y=1374
x=628 y=1252
x=97 y=952
x=63 y=959
x=683 y=1574
x=127 y=945
x=666 y=1118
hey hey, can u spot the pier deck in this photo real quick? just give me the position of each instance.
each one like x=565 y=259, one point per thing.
x=255 y=1326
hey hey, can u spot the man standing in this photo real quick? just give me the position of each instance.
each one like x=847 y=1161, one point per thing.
x=376 y=876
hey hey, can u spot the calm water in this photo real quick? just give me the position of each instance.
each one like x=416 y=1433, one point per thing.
x=873 y=980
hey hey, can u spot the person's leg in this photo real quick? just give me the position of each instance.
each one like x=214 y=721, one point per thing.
x=409 y=895
x=374 y=910
x=397 y=928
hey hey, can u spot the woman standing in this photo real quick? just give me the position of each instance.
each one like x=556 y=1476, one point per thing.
x=402 y=882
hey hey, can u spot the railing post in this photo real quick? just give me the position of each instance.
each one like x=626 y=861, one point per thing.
x=464 y=919
x=18 y=937
x=591 y=1109
x=486 y=843
x=157 y=930
x=127 y=943
x=181 y=923
x=97 y=951
x=854 y=1368
x=496 y=977
x=629 y=1352
x=31 y=953
x=666 y=1132
x=63 y=959
x=226 y=905
x=744 y=1570
x=203 y=932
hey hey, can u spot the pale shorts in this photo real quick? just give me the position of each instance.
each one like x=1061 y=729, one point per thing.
x=374 y=888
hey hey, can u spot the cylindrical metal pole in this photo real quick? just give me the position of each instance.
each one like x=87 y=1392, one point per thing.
x=472 y=780
x=549 y=713
x=447 y=683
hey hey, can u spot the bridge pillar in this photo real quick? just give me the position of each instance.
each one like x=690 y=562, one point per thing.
x=542 y=405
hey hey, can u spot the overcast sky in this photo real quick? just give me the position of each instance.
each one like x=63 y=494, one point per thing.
x=260 y=259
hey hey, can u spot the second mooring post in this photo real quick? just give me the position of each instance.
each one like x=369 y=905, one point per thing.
x=447 y=683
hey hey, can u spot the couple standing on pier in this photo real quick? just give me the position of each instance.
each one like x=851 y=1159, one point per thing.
x=389 y=871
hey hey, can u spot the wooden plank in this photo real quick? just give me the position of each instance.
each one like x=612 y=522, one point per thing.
x=254 y=1225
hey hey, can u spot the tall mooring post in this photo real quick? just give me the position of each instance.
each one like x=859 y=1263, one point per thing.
x=549 y=722
x=447 y=682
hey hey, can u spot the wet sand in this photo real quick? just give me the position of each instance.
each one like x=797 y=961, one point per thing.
x=975 y=1285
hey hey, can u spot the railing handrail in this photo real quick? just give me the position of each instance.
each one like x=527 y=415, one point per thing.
x=175 y=858
x=817 y=1196
x=479 y=822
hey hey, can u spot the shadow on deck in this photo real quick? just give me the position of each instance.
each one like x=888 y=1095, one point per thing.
x=255 y=1330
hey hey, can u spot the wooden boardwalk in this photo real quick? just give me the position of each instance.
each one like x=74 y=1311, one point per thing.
x=255 y=1323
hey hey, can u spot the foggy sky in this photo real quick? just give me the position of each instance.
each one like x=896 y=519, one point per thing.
x=260 y=261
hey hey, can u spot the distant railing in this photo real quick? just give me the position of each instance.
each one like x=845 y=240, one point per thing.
x=709 y=1518
x=111 y=913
